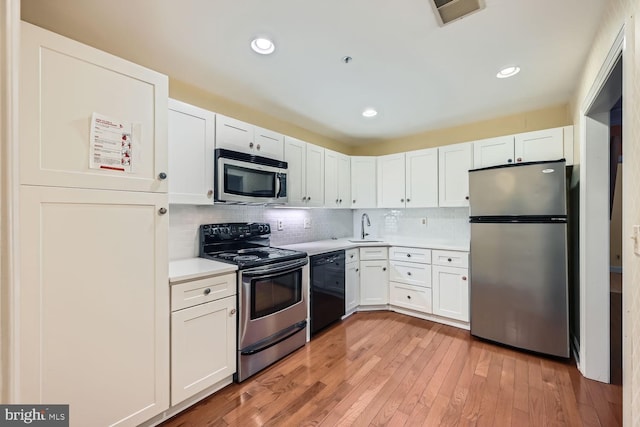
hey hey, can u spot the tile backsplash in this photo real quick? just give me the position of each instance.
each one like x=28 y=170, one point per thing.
x=184 y=221
x=431 y=224
x=442 y=224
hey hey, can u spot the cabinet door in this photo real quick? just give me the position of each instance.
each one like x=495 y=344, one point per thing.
x=191 y=142
x=331 y=197
x=421 y=178
x=451 y=292
x=363 y=182
x=454 y=162
x=344 y=181
x=493 y=151
x=295 y=154
x=268 y=143
x=540 y=145
x=62 y=83
x=94 y=303
x=374 y=283
x=203 y=347
x=391 y=185
x=234 y=134
x=315 y=175
x=352 y=286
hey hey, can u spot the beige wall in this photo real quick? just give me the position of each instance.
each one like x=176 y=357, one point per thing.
x=195 y=96
x=621 y=13
x=546 y=118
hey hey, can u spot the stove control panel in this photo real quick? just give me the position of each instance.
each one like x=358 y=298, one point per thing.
x=235 y=230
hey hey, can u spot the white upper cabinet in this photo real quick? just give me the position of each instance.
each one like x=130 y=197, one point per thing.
x=548 y=144
x=337 y=180
x=191 y=163
x=454 y=162
x=305 y=176
x=493 y=152
x=408 y=179
x=268 y=143
x=239 y=136
x=391 y=185
x=421 y=178
x=363 y=182
x=62 y=84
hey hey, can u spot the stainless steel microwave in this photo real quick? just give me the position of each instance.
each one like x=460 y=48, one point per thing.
x=244 y=178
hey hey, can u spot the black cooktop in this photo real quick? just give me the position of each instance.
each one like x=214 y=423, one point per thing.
x=243 y=244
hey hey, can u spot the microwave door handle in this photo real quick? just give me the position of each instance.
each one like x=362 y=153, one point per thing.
x=279 y=188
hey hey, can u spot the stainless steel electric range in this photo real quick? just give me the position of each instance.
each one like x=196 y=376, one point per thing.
x=272 y=286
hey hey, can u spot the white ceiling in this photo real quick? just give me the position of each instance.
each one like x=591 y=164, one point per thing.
x=419 y=76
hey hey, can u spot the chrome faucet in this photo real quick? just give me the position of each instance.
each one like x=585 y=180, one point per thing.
x=364 y=215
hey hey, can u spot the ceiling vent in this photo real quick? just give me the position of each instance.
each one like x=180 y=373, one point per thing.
x=450 y=10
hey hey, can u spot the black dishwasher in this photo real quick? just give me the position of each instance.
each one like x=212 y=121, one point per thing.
x=327 y=289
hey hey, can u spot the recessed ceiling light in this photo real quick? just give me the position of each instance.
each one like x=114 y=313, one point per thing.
x=262 y=45
x=369 y=112
x=508 y=72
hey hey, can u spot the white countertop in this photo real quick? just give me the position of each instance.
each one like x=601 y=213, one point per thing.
x=193 y=268
x=322 y=246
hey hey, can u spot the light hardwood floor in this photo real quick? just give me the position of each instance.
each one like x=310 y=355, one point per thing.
x=383 y=368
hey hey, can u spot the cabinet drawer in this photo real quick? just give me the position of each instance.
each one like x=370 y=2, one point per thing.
x=412 y=297
x=196 y=292
x=375 y=252
x=400 y=253
x=352 y=255
x=410 y=273
x=451 y=258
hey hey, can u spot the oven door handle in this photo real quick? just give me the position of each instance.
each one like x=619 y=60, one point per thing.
x=270 y=271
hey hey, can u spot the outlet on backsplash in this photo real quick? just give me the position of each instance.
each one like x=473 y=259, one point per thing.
x=423 y=221
x=307 y=223
x=280 y=225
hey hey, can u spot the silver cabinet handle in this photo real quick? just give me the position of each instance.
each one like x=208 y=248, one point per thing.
x=449 y=259
x=308 y=198
x=384 y=268
x=408 y=273
x=340 y=200
x=509 y=160
x=251 y=145
x=258 y=146
x=408 y=255
x=354 y=200
x=408 y=296
x=162 y=176
x=402 y=200
x=162 y=211
x=232 y=312
x=357 y=269
x=304 y=198
x=337 y=201
x=351 y=256
x=519 y=159
x=464 y=277
x=408 y=200
x=209 y=193
x=207 y=291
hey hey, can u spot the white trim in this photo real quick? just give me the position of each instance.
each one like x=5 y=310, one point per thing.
x=9 y=72
x=594 y=336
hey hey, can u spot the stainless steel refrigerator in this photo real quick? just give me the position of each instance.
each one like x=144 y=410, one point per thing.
x=519 y=286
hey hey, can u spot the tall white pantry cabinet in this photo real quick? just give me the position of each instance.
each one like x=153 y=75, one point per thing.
x=94 y=297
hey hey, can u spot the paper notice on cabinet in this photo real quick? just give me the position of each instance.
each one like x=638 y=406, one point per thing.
x=113 y=144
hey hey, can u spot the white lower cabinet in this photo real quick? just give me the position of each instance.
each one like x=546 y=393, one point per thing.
x=416 y=298
x=352 y=280
x=374 y=276
x=410 y=278
x=203 y=335
x=451 y=285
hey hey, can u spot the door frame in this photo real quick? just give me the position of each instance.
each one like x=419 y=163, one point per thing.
x=594 y=361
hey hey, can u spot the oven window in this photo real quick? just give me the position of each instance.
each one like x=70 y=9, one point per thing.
x=249 y=182
x=272 y=294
